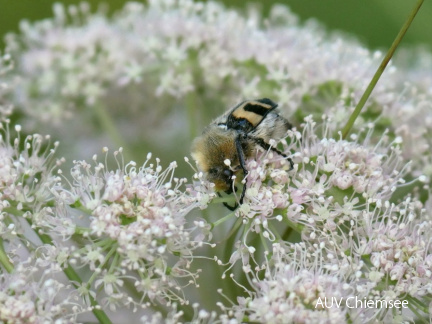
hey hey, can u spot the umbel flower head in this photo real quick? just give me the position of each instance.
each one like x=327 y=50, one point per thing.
x=341 y=199
x=137 y=222
x=292 y=289
x=332 y=179
x=32 y=295
x=53 y=53
x=79 y=62
x=350 y=220
x=26 y=178
x=390 y=245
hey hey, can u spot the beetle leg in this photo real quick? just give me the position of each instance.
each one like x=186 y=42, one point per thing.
x=232 y=208
x=267 y=147
x=242 y=165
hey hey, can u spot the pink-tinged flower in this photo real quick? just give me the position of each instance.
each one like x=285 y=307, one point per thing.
x=293 y=291
x=29 y=295
x=137 y=218
x=331 y=182
x=81 y=60
x=130 y=229
x=396 y=241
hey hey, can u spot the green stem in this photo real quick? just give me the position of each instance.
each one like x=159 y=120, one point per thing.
x=107 y=258
x=417 y=303
x=109 y=127
x=380 y=70
x=234 y=229
x=420 y=318
x=264 y=242
x=4 y=259
x=223 y=219
x=114 y=262
x=74 y=277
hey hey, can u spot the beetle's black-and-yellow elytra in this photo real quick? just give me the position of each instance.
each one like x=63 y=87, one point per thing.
x=234 y=136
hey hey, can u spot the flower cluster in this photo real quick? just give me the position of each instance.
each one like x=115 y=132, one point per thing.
x=26 y=177
x=292 y=291
x=350 y=219
x=395 y=238
x=136 y=222
x=72 y=64
x=29 y=297
x=334 y=178
x=72 y=57
x=340 y=197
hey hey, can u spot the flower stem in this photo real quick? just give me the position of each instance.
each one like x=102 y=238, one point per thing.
x=380 y=70
x=74 y=277
x=102 y=266
x=234 y=229
x=4 y=259
x=223 y=219
x=417 y=304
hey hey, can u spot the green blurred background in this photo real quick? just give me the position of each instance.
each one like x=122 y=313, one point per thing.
x=374 y=22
